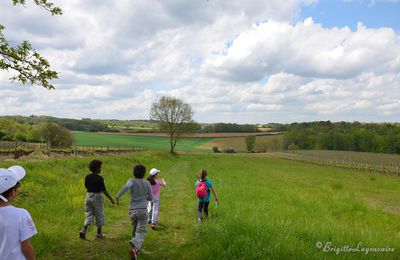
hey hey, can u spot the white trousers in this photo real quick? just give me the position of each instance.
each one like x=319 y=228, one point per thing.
x=154 y=208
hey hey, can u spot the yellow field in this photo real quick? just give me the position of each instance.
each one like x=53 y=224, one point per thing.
x=132 y=127
x=264 y=129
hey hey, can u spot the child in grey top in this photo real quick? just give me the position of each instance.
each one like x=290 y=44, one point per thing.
x=140 y=195
x=140 y=190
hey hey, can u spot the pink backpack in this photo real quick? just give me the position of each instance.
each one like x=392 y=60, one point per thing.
x=201 y=190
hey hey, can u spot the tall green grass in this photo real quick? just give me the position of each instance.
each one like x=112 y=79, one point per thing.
x=269 y=208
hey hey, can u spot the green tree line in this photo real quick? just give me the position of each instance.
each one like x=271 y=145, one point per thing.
x=45 y=132
x=345 y=136
x=229 y=128
x=85 y=124
x=101 y=125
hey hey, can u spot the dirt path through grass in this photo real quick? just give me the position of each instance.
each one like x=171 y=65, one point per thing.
x=172 y=239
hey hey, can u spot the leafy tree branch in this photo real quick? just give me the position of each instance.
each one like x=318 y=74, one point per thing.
x=26 y=63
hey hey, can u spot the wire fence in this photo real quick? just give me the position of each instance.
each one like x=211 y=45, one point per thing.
x=17 y=149
x=367 y=162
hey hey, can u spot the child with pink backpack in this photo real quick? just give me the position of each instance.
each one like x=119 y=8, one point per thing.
x=203 y=193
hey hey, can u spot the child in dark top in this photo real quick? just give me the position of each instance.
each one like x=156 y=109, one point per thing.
x=94 y=184
x=205 y=201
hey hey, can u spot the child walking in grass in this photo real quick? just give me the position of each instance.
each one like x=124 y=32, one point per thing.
x=204 y=187
x=154 y=208
x=16 y=224
x=140 y=192
x=94 y=185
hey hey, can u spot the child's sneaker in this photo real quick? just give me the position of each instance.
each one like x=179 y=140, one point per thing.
x=153 y=226
x=82 y=235
x=133 y=253
x=100 y=236
x=199 y=220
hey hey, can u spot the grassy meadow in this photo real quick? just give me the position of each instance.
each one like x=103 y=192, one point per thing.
x=147 y=142
x=269 y=208
x=195 y=143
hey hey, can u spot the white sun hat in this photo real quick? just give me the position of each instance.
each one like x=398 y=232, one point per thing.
x=9 y=178
x=17 y=171
x=153 y=172
x=7 y=181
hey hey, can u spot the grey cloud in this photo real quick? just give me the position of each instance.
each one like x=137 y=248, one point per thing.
x=101 y=61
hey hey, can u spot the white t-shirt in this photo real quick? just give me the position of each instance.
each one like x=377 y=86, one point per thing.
x=16 y=225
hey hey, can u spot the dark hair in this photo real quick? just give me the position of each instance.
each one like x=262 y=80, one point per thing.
x=151 y=180
x=95 y=165
x=7 y=193
x=139 y=171
x=203 y=174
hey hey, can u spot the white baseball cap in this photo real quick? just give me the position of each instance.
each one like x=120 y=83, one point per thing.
x=17 y=171
x=6 y=182
x=9 y=178
x=153 y=172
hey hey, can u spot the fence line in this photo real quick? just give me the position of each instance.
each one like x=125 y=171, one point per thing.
x=18 y=149
x=352 y=165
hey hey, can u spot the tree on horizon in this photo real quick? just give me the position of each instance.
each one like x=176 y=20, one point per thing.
x=174 y=117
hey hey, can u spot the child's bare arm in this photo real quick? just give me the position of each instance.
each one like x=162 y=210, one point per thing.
x=163 y=182
x=27 y=250
x=109 y=196
x=215 y=194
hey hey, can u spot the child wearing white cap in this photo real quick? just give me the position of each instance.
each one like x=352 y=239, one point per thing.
x=16 y=224
x=154 y=206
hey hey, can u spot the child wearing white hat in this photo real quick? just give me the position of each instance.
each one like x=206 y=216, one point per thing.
x=154 y=206
x=16 y=224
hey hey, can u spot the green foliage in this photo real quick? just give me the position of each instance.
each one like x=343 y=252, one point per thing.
x=45 y=4
x=228 y=128
x=272 y=144
x=275 y=127
x=11 y=130
x=372 y=137
x=51 y=133
x=215 y=149
x=250 y=142
x=293 y=147
x=85 y=124
x=174 y=117
x=29 y=66
x=55 y=135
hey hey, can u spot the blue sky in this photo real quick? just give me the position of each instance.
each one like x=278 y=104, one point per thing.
x=348 y=13
x=252 y=61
